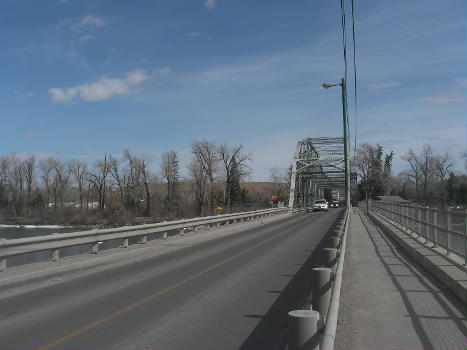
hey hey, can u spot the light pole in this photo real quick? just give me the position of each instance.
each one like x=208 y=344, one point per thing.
x=346 y=143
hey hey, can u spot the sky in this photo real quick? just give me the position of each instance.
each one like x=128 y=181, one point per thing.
x=81 y=78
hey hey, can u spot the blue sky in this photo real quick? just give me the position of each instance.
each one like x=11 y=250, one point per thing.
x=81 y=77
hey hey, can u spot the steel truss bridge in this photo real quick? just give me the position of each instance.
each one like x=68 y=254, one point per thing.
x=318 y=164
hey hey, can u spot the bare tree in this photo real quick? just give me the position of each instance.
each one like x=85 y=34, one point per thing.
x=198 y=184
x=170 y=172
x=79 y=170
x=369 y=165
x=4 y=181
x=145 y=180
x=235 y=167
x=281 y=180
x=442 y=164
x=16 y=174
x=29 y=166
x=98 y=177
x=414 y=174
x=46 y=168
x=115 y=172
x=208 y=159
x=60 y=180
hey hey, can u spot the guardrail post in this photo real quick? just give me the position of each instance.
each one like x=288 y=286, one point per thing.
x=124 y=243
x=95 y=248
x=321 y=290
x=2 y=263
x=449 y=222
x=425 y=222
x=303 y=329
x=143 y=239
x=435 y=228
x=55 y=255
x=165 y=235
x=330 y=259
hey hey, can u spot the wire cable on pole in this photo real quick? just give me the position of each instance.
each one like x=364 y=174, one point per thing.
x=355 y=79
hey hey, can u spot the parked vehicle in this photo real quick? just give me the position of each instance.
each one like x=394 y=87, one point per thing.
x=320 y=204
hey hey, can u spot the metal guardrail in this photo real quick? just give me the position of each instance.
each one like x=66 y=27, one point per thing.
x=53 y=242
x=443 y=228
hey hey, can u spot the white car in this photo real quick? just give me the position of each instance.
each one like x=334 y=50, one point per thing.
x=320 y=204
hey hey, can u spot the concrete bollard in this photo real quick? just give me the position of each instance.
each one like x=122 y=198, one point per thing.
x=165 y=235
x=321 y=290
x=336 y=232
x=334 y=242
x=330 y=259
x=303 y=329
x=55 y=255
x=95 y=248
x=124 y=243
x=143 y=239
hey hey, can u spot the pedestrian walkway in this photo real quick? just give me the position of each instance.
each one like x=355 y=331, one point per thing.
x=388 y=302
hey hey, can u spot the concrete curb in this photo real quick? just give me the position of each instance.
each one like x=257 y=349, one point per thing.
x=415 y=250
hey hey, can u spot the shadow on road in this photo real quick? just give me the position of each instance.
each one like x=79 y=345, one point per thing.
x=271 y=331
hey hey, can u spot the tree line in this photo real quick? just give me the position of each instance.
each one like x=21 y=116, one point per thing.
x=120 y=190
x=429 y=179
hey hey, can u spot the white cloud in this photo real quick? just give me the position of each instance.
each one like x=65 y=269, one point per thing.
x=443 y=99
x=377 y=86
x=93 y=20
x=85 y=38
x=193 y=34
x=209 y=4
x=28 y=94
x=104 y=87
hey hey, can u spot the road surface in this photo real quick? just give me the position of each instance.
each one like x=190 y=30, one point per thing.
x=232 y=292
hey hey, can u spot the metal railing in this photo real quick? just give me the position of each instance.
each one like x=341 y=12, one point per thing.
x=443 y=228
x=54 y=242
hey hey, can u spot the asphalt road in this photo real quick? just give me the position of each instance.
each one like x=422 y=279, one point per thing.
x=228 y=293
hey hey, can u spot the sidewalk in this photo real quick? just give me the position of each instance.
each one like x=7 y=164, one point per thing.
x=389 y=302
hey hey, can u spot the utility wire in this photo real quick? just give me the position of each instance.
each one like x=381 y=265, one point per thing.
x=354 y=80
x=344 y=44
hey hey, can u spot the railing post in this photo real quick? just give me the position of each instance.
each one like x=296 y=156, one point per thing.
x=95 y=248
x=419 y=222
x=55 y=255
x=303 y=329
x=143 y=239
x=449 y=224
x=124 y=243
x=425 y=223
x=435 y=228
x=2 y=263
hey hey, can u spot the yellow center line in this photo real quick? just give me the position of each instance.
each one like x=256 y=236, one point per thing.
x=151 y=297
